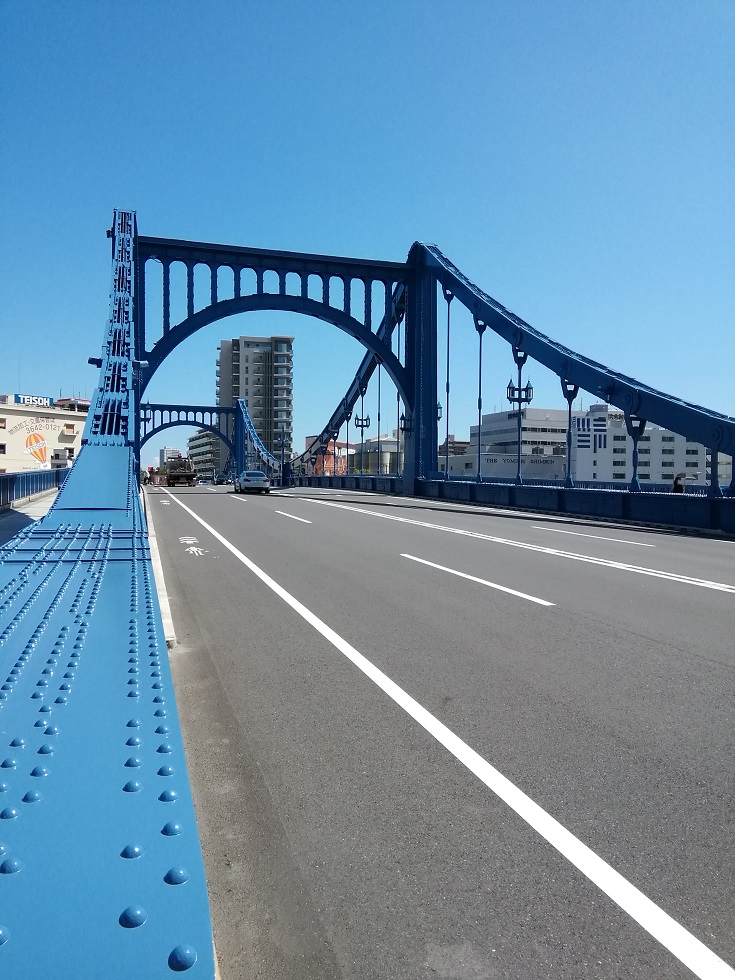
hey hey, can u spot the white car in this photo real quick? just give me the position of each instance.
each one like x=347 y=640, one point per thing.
x=252 y=481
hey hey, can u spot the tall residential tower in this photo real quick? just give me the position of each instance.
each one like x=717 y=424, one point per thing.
x=260 y=370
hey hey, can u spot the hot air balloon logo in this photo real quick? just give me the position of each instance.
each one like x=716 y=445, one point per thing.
x=36 y=446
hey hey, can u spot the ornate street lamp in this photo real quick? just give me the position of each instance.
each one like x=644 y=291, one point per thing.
x=519 y=396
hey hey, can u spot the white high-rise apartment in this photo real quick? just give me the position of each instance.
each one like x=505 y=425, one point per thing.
x=260 y=370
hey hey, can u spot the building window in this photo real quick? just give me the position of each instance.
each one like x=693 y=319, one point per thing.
x=644 y=452
x=618 y=476
x=691 y=464
x=645 y=476
x=619 y=438
x=69 y=429
x=692 y=452
x=2 y=448
x=2 y=423
x=667 y=439
x=619 y=450
x=667 y=452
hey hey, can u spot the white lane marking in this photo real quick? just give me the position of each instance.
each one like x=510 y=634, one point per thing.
x=482 y=581
x=293 y=517
x=169 y=633
x=211 y=490
x=605 y=562
x=673 y=936
x=597 y=537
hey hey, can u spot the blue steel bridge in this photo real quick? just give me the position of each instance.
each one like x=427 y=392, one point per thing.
x=101 y=872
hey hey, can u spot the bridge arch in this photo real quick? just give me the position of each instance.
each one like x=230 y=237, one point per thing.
x=169 y=425
x=282 y=302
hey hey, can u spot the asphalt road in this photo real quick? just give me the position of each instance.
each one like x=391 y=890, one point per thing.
x=436 y=741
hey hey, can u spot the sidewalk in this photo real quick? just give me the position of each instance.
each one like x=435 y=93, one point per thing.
x=16 y=518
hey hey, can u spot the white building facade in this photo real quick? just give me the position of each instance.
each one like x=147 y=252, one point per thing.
x=38 y=432
x=602 y=451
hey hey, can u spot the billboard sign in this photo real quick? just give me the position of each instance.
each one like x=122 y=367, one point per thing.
x=34 y=401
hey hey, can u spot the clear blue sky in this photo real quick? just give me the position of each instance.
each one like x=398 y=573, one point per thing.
x=575 y=159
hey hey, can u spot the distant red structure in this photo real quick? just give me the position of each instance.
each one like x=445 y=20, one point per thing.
x=334 y=461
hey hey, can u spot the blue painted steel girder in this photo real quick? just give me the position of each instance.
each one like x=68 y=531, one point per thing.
x=155 y=417
x=362 y=375
x=246 y=436
x=700 y=424
x=101 y=873
x=286 y=303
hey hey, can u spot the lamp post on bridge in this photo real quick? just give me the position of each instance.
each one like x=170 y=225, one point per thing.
x=570 y=391
x=519 y=396
x=362 y=422
x=348 y=416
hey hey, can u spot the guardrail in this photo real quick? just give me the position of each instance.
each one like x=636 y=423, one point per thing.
x=16 y=486
x=655 y=506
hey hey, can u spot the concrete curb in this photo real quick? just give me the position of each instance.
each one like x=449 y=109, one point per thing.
x=168 y=623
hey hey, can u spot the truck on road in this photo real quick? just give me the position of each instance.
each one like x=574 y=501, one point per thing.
x=180 y=472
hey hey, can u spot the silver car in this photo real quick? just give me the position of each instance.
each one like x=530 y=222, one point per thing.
x=252 y=481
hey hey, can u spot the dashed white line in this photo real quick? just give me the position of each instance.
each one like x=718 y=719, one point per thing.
x=659 y=924
x=571 y=555
x=293 y=517
x=597 y=537
x=481 y=581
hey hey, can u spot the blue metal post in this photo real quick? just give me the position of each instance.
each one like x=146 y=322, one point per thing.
x=420 y=439
x=378 y=419
x=715 y=490
x=448 y=296
x=398 y=410
x=635 y=427
x=570 y=393
x=480 y=327
x=519 y=396
x=362 y=430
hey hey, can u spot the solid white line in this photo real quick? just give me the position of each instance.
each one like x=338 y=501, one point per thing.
x=211 y=490
x=293 y=517
x=167 y=620
x=573 y=556
x=482 y=581
x=673 y=936
x=597 y=537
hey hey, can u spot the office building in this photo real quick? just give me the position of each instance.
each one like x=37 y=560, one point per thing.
x=167 y=453
x=602 y=450
x=260 y=370
x=38 y=432
x=543 y=432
